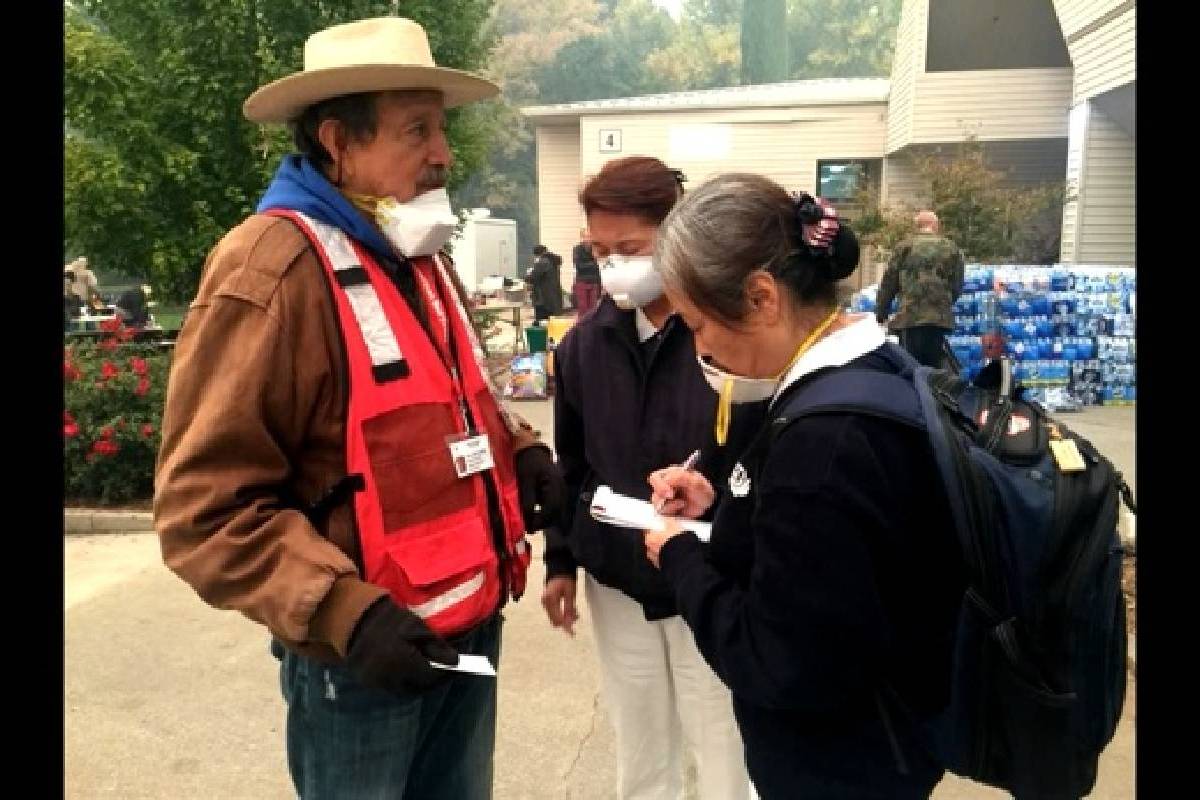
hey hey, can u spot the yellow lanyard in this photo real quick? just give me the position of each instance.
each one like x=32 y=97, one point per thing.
x=725 y=401
x=366 y=203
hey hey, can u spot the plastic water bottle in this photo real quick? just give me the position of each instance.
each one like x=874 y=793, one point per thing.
x=1060 y=279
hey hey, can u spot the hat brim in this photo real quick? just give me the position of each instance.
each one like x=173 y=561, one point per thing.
x=285 y=99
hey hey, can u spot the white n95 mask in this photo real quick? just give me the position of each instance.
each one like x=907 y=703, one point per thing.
x=631 y=281
x=419 y=227
x=741 y=389
x=734 y=389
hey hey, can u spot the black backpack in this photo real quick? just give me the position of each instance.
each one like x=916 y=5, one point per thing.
x=1038 y=676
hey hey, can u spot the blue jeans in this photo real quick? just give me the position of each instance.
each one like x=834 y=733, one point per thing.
x=346 y=741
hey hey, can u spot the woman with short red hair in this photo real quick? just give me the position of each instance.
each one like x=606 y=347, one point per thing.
x=631 y=398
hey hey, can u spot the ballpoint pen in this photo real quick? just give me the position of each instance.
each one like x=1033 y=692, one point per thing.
x=687 y=464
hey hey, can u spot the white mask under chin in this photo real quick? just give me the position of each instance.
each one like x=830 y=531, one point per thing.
x=742 y=390
x=420 y=227
x=631 y=281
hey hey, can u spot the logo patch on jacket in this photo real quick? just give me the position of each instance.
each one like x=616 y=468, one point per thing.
x=739 y=481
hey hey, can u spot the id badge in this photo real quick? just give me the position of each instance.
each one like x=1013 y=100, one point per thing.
x=470 y=454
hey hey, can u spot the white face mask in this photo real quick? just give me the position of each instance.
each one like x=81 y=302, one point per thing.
x=742 y=390
x=419 y=227
x=631 y=281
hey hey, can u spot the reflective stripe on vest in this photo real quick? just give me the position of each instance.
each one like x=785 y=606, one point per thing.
x=387 y=362
x=425 y=535
x=443 y=601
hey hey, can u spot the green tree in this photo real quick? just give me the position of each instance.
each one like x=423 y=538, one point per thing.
x=701 y=55
x=842 y=38
x=159 y=160
x=529 y=35
x=611 y=63
x=764 y=41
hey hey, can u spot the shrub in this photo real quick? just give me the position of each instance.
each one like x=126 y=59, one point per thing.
x=113 y=393
x=991 y=220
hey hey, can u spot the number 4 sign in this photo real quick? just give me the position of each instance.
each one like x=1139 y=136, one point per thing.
x=610 y=140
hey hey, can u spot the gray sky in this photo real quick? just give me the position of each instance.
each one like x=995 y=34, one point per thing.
x=672 y=7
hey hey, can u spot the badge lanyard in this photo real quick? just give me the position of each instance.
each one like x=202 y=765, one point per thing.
x=470 y=452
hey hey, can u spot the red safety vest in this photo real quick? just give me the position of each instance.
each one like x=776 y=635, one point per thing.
x=425 y=533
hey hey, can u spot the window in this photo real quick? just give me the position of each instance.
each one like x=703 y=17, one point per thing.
x=841 y=180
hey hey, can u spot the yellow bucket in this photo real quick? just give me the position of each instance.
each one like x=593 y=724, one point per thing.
x=556 y=329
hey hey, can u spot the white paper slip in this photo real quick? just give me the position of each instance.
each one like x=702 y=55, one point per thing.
x=476 y=665
x=628 y=512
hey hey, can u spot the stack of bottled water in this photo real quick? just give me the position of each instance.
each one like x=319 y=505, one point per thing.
x=1070 y=330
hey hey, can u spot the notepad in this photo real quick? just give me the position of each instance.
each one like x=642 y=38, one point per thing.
x=622 y=511
x=476 y=665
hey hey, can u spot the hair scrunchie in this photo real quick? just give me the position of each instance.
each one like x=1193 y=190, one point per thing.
x=825 y=240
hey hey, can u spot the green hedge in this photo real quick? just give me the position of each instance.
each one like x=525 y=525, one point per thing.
x=113 y=392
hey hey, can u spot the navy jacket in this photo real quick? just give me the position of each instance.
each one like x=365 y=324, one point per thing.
x=827 y=601
x=618 y=416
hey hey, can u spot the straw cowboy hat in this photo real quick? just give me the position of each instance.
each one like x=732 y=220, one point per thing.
x=370 y=55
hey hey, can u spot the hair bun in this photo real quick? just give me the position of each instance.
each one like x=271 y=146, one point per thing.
x=843 y=255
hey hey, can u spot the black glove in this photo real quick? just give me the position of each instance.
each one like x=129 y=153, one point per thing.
x=539 y=483
x=391 y=649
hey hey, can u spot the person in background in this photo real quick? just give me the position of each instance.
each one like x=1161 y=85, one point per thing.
x=84 y=284
x=587 y=274
x=71 y=301
x=96 y=303
x=630 y=398
x=828 y=594
x=545 y=283
x=132 y=307
x=926 y=272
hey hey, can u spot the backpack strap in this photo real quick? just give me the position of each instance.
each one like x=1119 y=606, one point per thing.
x=857 y=390
x=936 y=392
x=840 y=390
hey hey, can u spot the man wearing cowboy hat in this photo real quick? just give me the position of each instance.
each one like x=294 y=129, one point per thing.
x=335 y=463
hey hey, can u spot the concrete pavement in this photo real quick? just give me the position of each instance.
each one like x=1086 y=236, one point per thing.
x=168 y=698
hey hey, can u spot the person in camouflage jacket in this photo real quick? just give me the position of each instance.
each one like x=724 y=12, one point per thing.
x=926 y=271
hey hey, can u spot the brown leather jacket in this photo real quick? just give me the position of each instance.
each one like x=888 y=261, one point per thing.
x=254 y=422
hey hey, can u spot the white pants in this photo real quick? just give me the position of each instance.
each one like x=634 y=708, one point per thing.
x=662 y=696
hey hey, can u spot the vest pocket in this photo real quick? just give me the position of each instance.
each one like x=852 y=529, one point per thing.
x=436 y=569
x=415 y=480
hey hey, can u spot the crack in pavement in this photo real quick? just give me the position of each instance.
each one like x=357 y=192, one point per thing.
x=582 y=743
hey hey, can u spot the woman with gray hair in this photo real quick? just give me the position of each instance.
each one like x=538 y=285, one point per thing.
x=827 y=597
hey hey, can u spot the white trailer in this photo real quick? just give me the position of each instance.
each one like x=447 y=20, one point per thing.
x=485 y=246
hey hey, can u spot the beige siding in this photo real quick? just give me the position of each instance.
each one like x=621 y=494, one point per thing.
x=991 y=105
x=1075 y=14
x=1106 y=214
x=783 y=144
x=1105 y=58
x=1075 y=154
x=902 y=186
x=559 y=215
x=907 y=65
